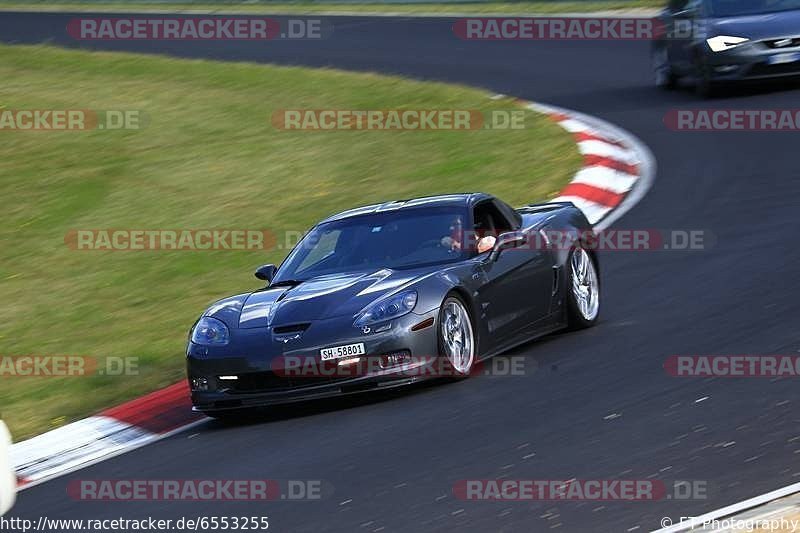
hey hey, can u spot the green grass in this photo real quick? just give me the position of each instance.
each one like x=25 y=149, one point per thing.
x=332 y=6
x=209 y=158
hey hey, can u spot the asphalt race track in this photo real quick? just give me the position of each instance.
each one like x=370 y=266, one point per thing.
x=599 y=404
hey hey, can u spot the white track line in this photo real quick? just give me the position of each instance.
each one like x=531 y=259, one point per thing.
x=110 y=455
x=732 y=509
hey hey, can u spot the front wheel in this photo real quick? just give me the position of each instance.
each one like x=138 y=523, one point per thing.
x=663 y=74
x=457 y=342
x=583 y=290
x=704 y=86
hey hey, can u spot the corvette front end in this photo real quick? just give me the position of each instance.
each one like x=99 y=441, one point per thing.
x=280 y=361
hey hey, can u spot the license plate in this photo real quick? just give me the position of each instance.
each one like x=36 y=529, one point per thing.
x=780 y=59
x=337 y=352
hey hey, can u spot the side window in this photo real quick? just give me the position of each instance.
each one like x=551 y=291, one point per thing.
x=699 y=6
x=325 y=248
x=502 y=220
x=489 y=220
x=678 y=5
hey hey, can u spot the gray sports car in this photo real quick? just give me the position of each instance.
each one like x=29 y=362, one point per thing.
x=721 y=41
x=389 y=294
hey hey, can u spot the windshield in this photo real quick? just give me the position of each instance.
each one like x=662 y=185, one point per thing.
x=397 y=240
x=731 y=8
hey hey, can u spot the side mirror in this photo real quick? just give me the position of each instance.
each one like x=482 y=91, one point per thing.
x=8 y=480
x=266 y=272
x=511 y=239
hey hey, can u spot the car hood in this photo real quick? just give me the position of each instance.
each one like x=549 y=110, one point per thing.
x=315 y=299
x=757 y=27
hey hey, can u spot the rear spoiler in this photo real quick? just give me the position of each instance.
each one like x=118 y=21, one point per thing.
x=543 y=208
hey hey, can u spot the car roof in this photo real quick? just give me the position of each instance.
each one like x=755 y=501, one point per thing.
x=445 y=200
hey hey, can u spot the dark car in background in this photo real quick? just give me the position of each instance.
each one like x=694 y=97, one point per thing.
x=714 y=42
x=389 y=294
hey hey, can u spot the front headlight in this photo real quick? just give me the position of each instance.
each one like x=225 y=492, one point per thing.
x=725 y=42
x=389 y=308
x=210 y=332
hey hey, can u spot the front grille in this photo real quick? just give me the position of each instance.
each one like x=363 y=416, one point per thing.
x=774 y=43
x=270 y=381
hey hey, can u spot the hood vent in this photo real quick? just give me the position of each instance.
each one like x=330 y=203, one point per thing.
x=294 y=328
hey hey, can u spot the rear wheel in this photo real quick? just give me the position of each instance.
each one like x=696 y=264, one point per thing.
x=457 y=342
x=583 y=290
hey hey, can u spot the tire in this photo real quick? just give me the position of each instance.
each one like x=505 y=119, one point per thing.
x=704 y=87
x=665 y=77
x=583 y=290
x=456 y=322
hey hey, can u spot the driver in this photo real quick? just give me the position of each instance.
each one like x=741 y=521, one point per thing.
x=455 y=240
x=486 y=244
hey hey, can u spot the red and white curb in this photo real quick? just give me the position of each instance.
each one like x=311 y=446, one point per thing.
x=110 y=433
x=618 y=170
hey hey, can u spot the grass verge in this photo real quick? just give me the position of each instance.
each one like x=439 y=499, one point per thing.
x=354 y=7
x=208 y=158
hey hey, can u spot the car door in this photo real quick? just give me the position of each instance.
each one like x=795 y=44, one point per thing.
x=517 y=284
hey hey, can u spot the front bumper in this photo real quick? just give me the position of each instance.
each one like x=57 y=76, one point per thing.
x=752 y=61
x=258 y=370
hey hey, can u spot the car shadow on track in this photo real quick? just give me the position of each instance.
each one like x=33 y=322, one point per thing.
x=645 y=98
x=521 y=362
x=743 y=89
x=279 y=413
